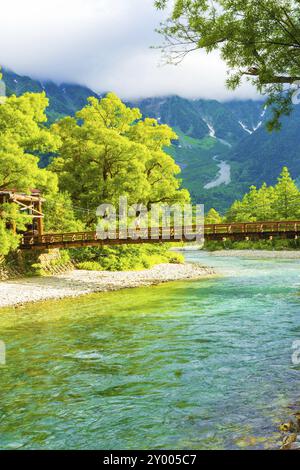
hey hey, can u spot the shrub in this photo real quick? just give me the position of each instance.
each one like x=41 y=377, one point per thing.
x=274 y=244
x=125 y=257
x=89 y=266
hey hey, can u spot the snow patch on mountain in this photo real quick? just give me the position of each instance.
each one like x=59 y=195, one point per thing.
x=245 y=127
x=257 y=126
x=212 y=132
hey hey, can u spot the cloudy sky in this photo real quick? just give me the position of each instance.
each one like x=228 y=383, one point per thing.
x=104 y=44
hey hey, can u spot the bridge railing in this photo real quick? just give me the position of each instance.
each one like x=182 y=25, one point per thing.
x=159 y=233
x=162 y=234
x=252 y=227
x=53 y=238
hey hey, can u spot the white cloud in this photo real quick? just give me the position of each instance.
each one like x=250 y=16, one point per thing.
x=104 y=44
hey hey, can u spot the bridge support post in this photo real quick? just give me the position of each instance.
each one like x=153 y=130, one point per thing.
x=40 y=220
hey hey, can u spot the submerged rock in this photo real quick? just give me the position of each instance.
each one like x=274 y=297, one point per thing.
x=288 y=427
x=291 y=430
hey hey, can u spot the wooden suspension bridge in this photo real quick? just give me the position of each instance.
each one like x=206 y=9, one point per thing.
x=35 y=239
x=218 y=232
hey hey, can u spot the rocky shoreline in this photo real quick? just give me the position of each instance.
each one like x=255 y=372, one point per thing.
x=78 y=283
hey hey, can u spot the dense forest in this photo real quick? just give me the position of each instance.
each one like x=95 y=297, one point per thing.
x=106 y=150
x=267 y=203
x=237 y=134
x=279 y=202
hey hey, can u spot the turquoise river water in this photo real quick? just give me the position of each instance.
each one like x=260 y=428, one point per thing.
x=193 y=365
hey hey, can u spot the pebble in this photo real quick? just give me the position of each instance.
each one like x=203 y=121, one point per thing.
x=77 y=283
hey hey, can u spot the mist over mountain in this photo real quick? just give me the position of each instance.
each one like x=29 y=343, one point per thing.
x=222 y=149
x=65 y=99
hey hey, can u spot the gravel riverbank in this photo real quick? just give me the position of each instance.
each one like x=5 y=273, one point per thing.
x=77 y=283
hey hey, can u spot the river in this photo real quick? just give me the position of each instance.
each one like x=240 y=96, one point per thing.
x=193 y=365
x=223 y=176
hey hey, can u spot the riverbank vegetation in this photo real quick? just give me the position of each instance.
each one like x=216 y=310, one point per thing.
x=279 y=202
x=276 y=244
x=104 y=151
x=267 y=203
x=124 y=258
x=107 y=150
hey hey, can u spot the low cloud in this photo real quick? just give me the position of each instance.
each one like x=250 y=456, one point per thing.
x=104 y=44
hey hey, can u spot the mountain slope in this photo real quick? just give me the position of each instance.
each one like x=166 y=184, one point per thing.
x=263 y=154
x=200 y=156
x=253 y=154
x=65 y=99
x=223 y=148
x=177 y=112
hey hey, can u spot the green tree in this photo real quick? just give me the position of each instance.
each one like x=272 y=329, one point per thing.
x=60 y=215
x=23 y=135
x=287 y=197
x=108 y=151
x=264 y=208
x=213 y=217
x=259 y=40
x=281 y=202
x=160 y=168
x=11 y=220
x=257 y=205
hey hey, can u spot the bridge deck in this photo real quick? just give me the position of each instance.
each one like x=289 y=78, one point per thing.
x=233 y=231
